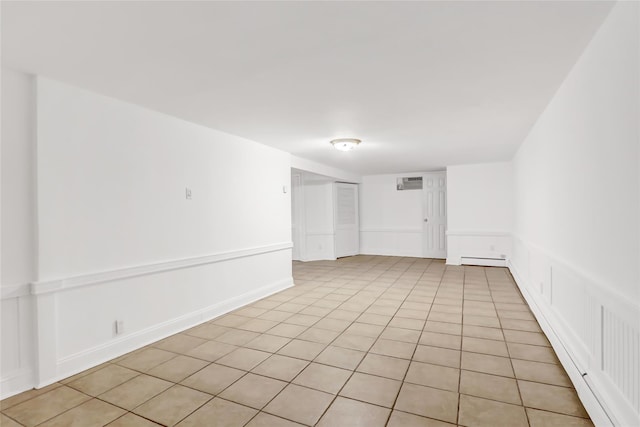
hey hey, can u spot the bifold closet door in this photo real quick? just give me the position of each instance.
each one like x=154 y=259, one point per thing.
x=347 y=224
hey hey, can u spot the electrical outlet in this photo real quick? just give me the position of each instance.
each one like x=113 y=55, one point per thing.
x=187 y=193
x=119 y=327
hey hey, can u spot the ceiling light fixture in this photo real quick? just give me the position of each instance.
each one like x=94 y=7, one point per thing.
x=345 y=144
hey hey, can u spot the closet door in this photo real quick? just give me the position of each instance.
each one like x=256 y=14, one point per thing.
x=434 y=226
x=347 y=224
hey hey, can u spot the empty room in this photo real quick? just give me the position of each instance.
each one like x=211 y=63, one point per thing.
x=320 y=213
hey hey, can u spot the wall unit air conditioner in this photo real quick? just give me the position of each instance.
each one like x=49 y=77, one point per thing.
x=409 y=183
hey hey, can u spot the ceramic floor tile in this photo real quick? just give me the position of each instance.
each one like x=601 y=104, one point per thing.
x=371 y=389
x=23 y=397
x=8 y=422
x=523 y=337
x=541 y=372
x=211 y=350
x=172 y=405
x=443 y=327
x=400 y=334
x=489 y=413
x=178 y=368
x=268 y=343
x=281 y=367
x=340 y=357
x=435 y=339
x=146 y=359
x=384 y=366
x=258 y=325
x=318 y=335
x=347 y=412
x=207 y=331
x=551 y=398
x=131 y=420
x=213 y=379
x=426 y=401
x=532 y=352
x=365 y=329
x=135 y=391
x=437 y=356
x=490 y=387
x=488 y=321
x=403 y=419
x=300 y=349
x=337 y=325
x=433 y=376
x=300 y=404
x=323 y=377
x=403 y=322
x=230 y=320
x=287 y=330
x=339 y=314
x=179 y=343
x=253 y=390
x=46 y=406
x=487 y=364
x=243 y=358
x=539 y=418
x=102 y=380
x=399 y=349
x=482 y=332
x=481 y=345
x=237 y=337
x=219 y=413
x=354 y=342
x=374 y=319
x=303 y=319
x=267 y=420
x=276 y=315
x=521 y=325
x=93 y=412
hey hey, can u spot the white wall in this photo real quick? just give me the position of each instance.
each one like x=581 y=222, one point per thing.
x=390 y=220
x=18 y=230
x=118 y=240
x=577 y=210
x=480 y=212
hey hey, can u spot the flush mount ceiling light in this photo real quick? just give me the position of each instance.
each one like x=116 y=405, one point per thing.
x=345 y=144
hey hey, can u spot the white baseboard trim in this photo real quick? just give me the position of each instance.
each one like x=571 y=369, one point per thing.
x=97 y=355
x=61 y=284
x=478 y=233
x=391 y=230
x=16 y=382
x=594 y=406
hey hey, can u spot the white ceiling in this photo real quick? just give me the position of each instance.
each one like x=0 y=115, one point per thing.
x=423 y=84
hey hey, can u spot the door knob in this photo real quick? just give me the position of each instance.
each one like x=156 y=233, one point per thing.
x=426 y=220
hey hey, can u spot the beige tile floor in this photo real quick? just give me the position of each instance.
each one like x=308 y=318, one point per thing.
x=362 y=341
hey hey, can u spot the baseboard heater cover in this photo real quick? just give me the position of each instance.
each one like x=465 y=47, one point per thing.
x=485 y=262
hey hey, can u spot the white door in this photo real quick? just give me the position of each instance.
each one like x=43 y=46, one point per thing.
x=347 y=226
x=434 y=225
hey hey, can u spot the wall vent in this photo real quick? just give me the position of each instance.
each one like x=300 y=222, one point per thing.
x=409 y=183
